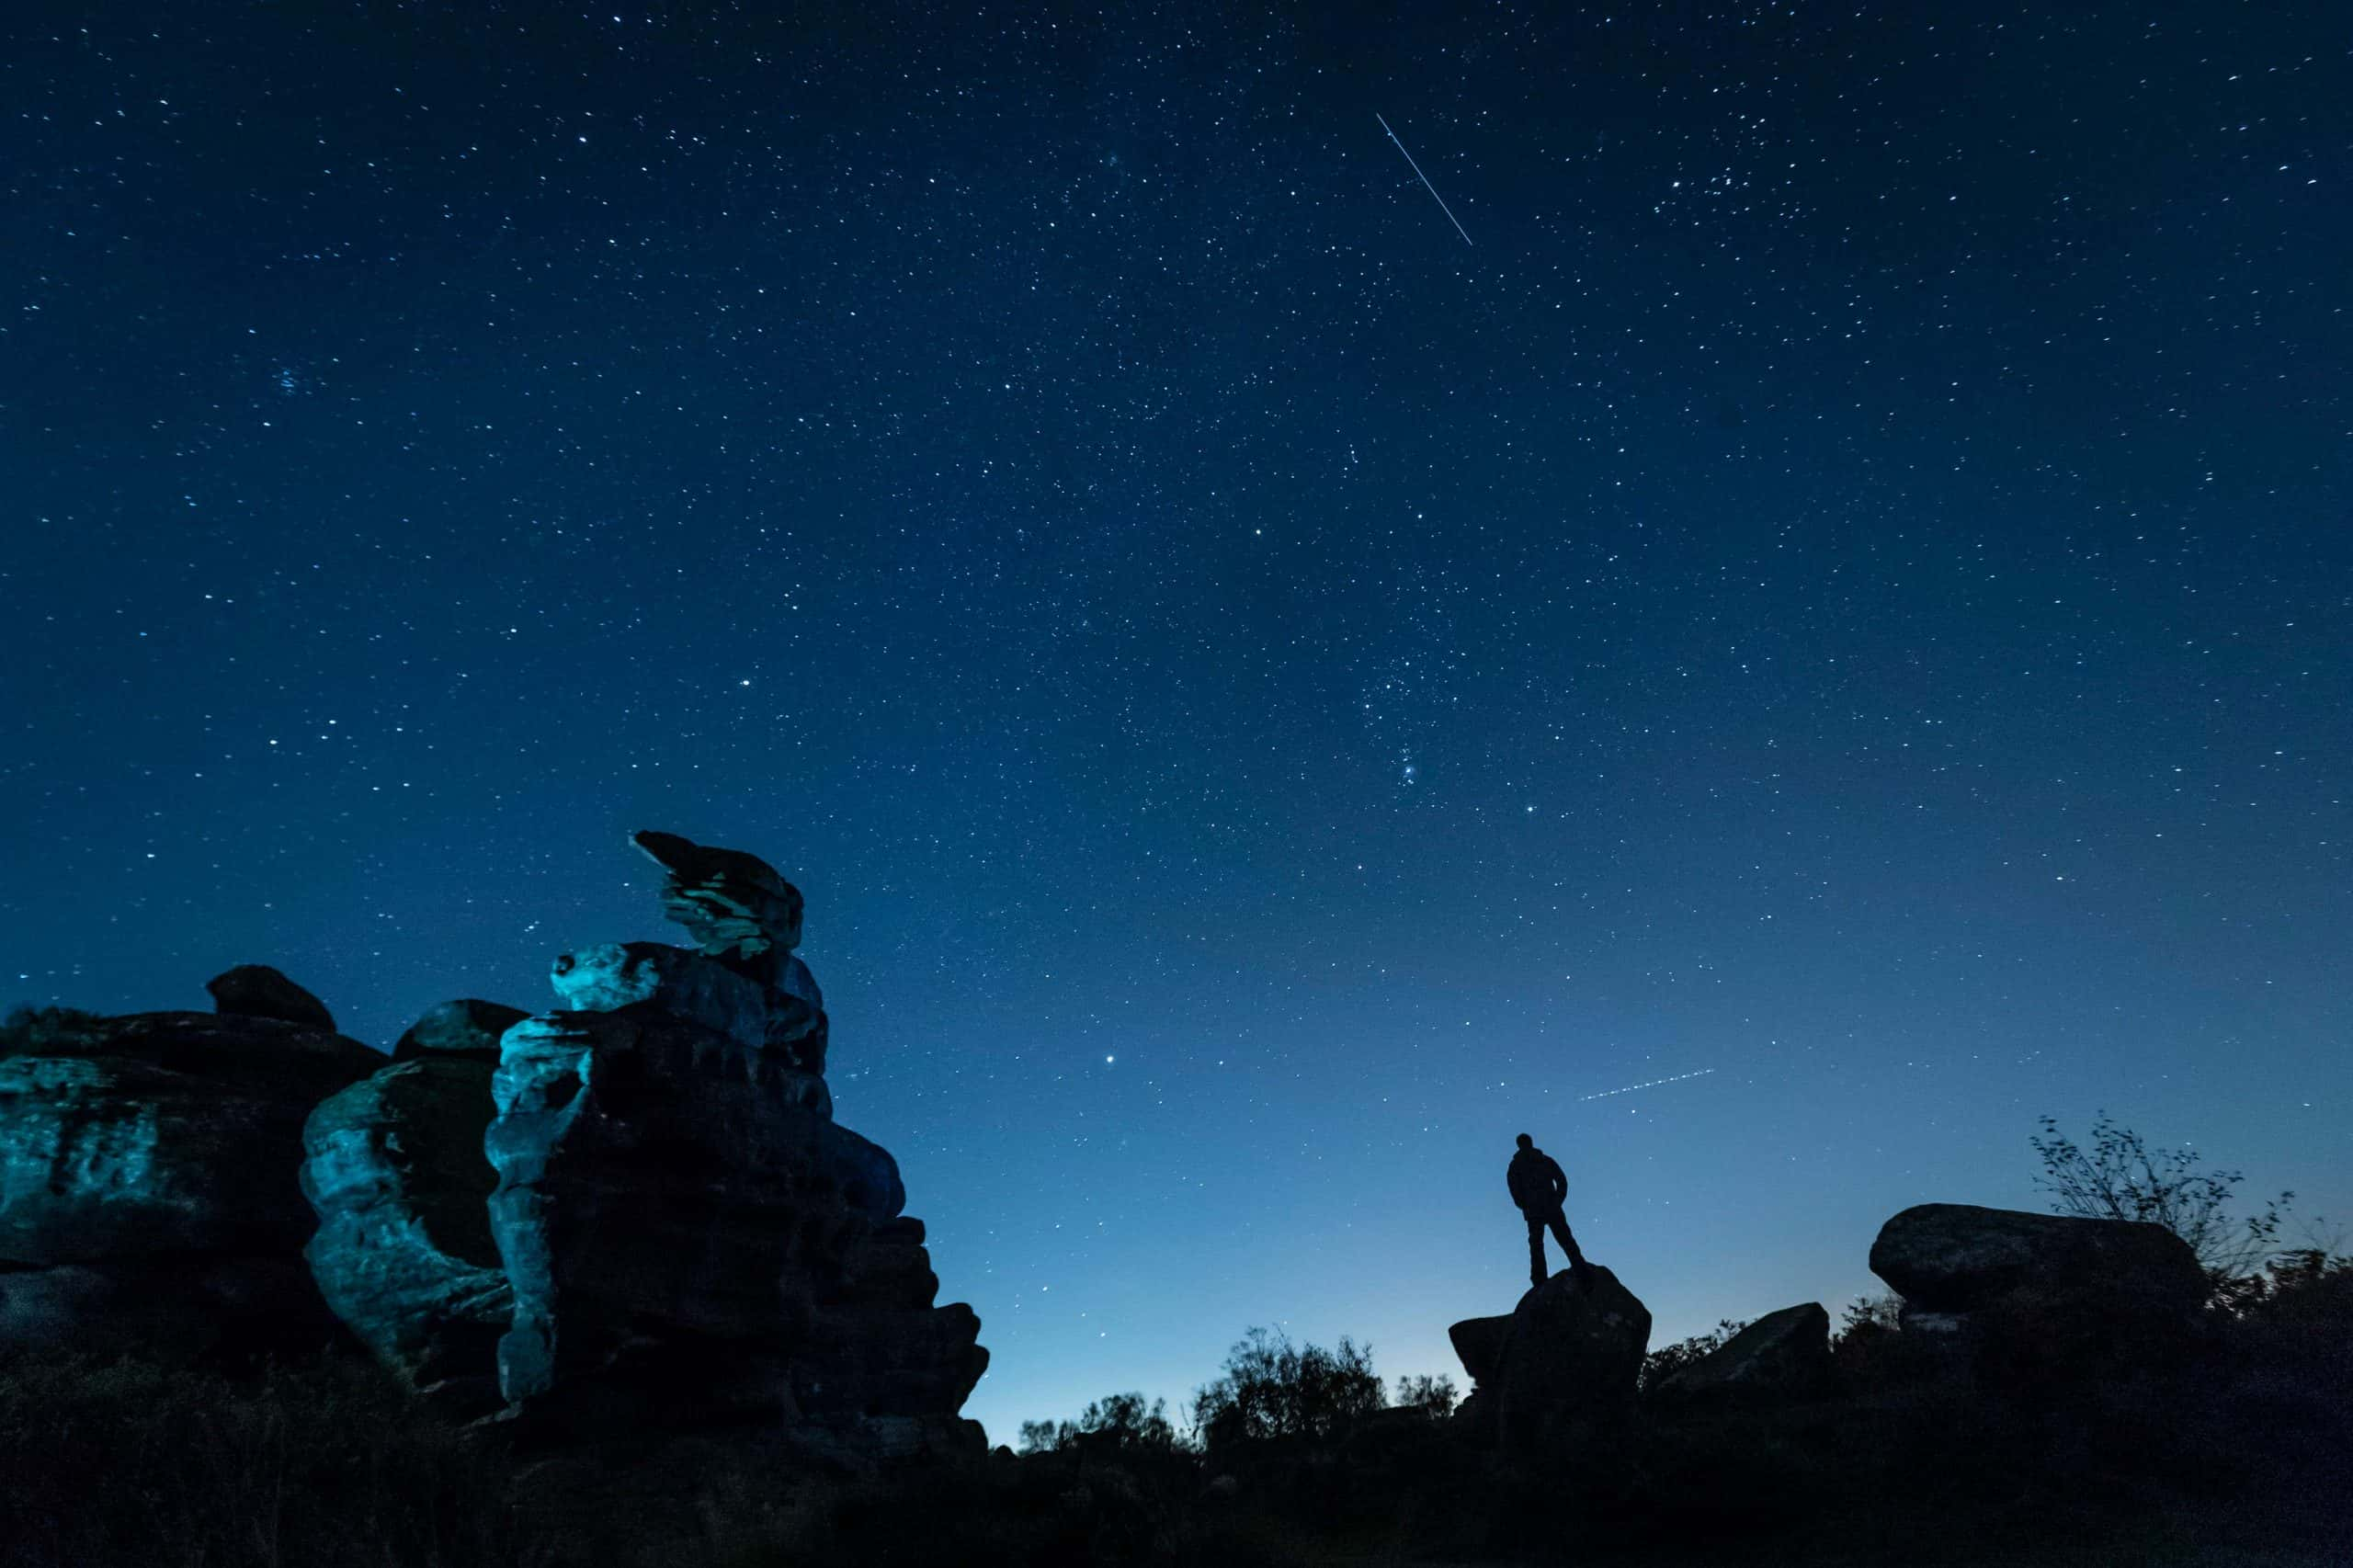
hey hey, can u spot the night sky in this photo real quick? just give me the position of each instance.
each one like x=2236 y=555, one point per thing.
x=1840 y=595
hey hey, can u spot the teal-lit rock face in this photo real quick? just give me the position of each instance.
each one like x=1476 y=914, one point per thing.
x=168 y=1132
x=679 y=983
x=395 y=1169
x=148 y=1195
x=691 y=1236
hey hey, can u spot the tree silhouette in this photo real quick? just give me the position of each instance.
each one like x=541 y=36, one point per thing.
x=2120 y=1177
x=1272 y=1388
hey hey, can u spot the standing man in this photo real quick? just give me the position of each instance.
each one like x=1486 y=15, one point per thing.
x=1539 y=1188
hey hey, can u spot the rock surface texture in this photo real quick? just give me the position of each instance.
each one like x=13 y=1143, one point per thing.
x=1783 y=1354
x=394 y=1167
x=1561 y=1369
x=691 y=1236
x=147 y=1193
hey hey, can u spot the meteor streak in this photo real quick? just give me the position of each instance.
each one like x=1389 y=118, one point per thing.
x=1433 y=197
x=1653 y=1083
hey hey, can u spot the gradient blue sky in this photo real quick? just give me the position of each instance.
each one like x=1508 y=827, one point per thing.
x=1842 y=586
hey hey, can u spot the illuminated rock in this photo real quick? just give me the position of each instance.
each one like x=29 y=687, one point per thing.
x=394 y=1167
x=691 y=1236
x=147 y=1191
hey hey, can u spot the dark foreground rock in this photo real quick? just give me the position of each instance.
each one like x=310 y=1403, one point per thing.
x=257 y=991
x=1783 y=1354
x=395 y=1169
x=1564 y=1370
x=147 y=1196
x=2029 y=1300
x=1956 y=1258
x=469 y=1027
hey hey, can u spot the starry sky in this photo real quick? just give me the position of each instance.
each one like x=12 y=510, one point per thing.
x=1837 y=594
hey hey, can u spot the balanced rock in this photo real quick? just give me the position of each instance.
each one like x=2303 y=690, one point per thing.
x=1783 y=1354
x=2031 y=1301
x=1568 y=1367
x=691 y=1238
x=147 y=1189
x=469 y=1027
x=1956 y=1258
x=733 y=904
x=394 y=1166
x=257 y=991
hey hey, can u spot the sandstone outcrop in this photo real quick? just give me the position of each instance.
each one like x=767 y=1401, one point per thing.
x=1561 y=1369
x=394 y=1167
x=1783 y=1354
x=147 y=1166
x=689 y=1234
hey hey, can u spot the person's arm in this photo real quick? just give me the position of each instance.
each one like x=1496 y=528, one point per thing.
x=1560 y=1181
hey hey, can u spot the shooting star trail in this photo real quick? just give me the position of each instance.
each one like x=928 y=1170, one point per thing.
x=1653 y=1083
x=1426 y=183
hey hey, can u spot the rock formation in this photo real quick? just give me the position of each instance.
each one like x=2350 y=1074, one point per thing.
x=1560 y=1370
x=1956 y=1258
x=394 y=1167
x=689 y=1234
x=2025 y=1295
x=147 y=1197
x=465 y=1028
x=1783 y=1354
x=257 y=991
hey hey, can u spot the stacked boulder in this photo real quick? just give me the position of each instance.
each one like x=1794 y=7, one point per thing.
x=146 y=1192
x=2028 y=1297
x=690 y=1235
x=1561 y=1371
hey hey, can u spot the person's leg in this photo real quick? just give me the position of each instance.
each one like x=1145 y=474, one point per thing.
x=1536 y=1269
x=1560 y=1224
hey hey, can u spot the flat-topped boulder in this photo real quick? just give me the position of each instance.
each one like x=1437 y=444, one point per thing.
x=1956 y=1257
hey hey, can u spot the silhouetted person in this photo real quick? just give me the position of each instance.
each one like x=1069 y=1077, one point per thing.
x=1540 y=1188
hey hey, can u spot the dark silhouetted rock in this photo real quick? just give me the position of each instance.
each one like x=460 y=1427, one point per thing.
x=147 y=1188
x=2030 y=1303
x=465 y=1028
x=257 y=991
x=1567 y=1366
x=1783 y=1354
x=1956 y=1258
x=195 y=1307
x=1479 y=1342
x=394 y=1166
x=690 y=1237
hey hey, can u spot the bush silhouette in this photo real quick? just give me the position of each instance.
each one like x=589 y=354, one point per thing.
x=1116 y=1424
x=1271 y=1388
x=1669 y=1360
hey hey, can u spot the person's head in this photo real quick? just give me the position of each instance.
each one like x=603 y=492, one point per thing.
x=1525 y=1141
